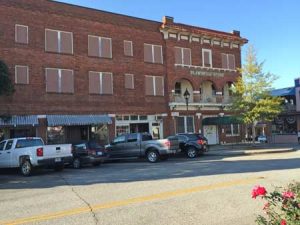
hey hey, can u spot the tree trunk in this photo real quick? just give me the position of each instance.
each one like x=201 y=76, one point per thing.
x=253 y=133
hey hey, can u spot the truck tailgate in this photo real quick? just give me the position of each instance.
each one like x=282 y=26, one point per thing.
x=56 y=151
x=174 y=143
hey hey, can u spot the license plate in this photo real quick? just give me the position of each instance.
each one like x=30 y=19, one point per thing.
x=99 y=153
x=57 y=159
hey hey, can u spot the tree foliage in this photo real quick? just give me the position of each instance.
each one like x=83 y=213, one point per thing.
x=6 y=86
x=251 y=93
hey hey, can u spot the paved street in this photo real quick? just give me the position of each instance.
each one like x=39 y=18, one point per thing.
x=211 y=190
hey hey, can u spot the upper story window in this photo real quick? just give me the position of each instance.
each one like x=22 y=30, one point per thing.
x=206 y=58
x=128 y=49
x=59 y=80
x=178 y=88
x=58 y=41
x=228 y=61
x=100 y=83
x=99 y=46
x=154 y=85
x=21 y=74
x=153 y=53
x=129 y=81
x=21 y=34
x=183 y=56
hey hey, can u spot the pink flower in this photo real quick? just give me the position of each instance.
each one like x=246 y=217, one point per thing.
x=288 y=194
x=266 y=206
x=258 y=191
x=283 y=222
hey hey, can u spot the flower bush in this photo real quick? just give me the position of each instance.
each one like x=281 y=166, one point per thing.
x=282 y=206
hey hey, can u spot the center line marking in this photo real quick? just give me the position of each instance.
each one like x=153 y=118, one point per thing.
x=159 y=196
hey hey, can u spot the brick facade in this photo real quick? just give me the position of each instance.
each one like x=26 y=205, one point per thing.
x=32 y=98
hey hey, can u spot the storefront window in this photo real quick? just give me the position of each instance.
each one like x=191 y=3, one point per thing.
x=185 y=124
x=100 y=134
x=232 y=129
x=122 y=130
x=55 y=135
x=285 y=125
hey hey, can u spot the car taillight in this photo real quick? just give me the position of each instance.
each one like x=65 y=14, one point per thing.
x=39 y=152
x=201 y=142
x=167 y=144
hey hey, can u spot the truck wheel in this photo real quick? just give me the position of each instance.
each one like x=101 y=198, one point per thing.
x=152 y=156
x=191 y=152
x=59 y=167
x=76 y=163
x=26 y=168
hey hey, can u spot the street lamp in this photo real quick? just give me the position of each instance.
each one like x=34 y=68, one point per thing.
x=186 y=96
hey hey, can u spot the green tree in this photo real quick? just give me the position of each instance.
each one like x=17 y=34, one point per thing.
x=6 y=86
x=252 y=101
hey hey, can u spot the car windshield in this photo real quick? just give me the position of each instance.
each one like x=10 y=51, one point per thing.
x=23 y=143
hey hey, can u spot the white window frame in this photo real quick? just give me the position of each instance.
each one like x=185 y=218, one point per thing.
x=227 y=58
x=100 y=80
x=132 y=75
x=59 y=40
x=131 y=47
x=152 y=52
x=59 y=77
x=154 y=85
x=182 y=55
x=100 y=44
x=185 y=123
x=231 y=129
x=16 y=73
x=19 y=25
x=210 y=57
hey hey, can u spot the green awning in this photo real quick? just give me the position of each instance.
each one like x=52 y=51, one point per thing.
x=221 y=120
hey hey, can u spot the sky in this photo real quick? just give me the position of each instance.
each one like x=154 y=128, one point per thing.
x=271 y=26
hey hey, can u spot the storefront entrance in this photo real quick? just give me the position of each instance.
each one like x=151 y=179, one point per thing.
x=139 y=127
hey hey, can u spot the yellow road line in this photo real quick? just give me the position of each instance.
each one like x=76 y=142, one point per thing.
x=159 y=196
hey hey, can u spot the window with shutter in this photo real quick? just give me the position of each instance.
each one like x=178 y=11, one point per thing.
x=224 y=61
x=21 y=34
x=100 y=83
x=67 y=81
x=93 y=46
x=148 y=57
x=231 y=62
x=178 y=55
x=186 y=56
x=94 y=82
x=21 y=75
x=153 y=53
x=105 y=48
x=206 y=58
x=129 y=81
x=52 y=80
x=149 y=85
x=128 y=49
x=58 y=41
x=107 y=83
x=99 y=46
x=157 y=54
x=159 y=86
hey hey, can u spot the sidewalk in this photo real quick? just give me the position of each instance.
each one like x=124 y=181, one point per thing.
x=250 y=149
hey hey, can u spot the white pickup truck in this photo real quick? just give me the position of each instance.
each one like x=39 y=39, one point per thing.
x=30 y=152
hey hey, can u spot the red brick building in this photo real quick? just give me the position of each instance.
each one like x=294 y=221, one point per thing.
x=81 y=73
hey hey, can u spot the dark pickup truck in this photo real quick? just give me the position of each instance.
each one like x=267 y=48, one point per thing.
x=142 y=145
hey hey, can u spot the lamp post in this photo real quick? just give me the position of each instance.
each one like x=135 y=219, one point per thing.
x=186 y=96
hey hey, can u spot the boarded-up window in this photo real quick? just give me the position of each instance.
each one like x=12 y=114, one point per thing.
x=59 y=41
x=100 y=83
x=231 y=62
x=128 y=49
x=183 y=56
x=206 y=58
x=59 y=80
x=67 y=81
x=107 y=83
x=99 y=46
x=228 y=61
x=52 y=80
x=21 y=75
x=129 y=81
x=21 y=34
x=153 y=53
x=154 y=85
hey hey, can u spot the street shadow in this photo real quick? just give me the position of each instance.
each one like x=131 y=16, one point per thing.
x=132 y=171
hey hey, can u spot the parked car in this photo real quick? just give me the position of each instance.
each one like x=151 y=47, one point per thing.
x=192 y=144
x=262 y=139
x=139 y=145
x=88 y=152
x=30 y=152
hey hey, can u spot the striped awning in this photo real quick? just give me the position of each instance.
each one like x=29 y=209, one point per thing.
x=19 y=121
x=77 y=120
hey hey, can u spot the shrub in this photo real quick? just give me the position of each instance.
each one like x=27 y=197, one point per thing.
x=282 y=206
x=6 y=86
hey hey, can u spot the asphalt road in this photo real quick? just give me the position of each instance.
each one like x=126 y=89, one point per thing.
x=211 y=190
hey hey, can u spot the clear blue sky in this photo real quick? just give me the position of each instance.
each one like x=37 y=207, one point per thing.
x=271 y=26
